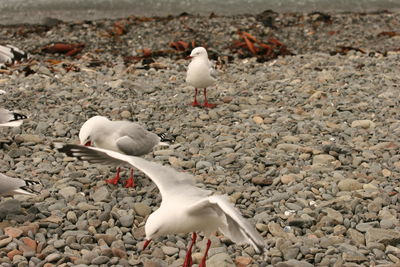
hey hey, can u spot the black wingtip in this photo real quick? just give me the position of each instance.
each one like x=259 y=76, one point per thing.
x=64 y=148
x=18 y=116
x=76 y=151
x=85 y=153
x=28 y=184
x=13 y=54
x=18 y=55
x=167 y=138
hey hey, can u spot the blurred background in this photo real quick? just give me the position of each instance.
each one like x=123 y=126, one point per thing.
x=34 y=11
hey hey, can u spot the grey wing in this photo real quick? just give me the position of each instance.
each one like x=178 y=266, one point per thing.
x=136 y=141
x=166 y=178
x=213 y=72
x=235 y=227
x=5 y=116
x=10 y=186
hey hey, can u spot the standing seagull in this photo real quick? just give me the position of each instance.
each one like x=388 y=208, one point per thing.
x=10 y=118
x=184 y=208
x=121 y=136
x=13 y=186
x=200 y=74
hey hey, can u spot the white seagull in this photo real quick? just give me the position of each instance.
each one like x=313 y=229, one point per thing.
x=184 y=208
x=200 y=74
x=9 y=54
x=125 y=137
x=13 y=186
x=10 y=118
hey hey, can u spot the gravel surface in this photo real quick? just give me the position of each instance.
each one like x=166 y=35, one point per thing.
x=307 y=146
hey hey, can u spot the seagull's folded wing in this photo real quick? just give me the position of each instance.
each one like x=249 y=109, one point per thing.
x=236 y=228
x=213 y=71
x=11 y=186
x=11 y=119
x=136 y=141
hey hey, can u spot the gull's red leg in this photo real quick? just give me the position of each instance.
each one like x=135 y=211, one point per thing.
x=203 y=260
x=206 y=104
x=131 y=181
x=115 y=179
x=188 y=259
x=195 y=103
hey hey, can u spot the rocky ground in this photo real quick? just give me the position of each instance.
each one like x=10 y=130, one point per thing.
x=306 y=146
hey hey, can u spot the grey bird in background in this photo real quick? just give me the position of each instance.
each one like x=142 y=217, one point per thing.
x=184 y=208
x=125 y=137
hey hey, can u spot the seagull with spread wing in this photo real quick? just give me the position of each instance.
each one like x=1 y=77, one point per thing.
x=184 y=208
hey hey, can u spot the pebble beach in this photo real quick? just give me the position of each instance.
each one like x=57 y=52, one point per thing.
x=306 y=145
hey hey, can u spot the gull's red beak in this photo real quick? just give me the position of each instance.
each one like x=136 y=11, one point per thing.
x=146 y=244
x=188 y=57
x=88 y=143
